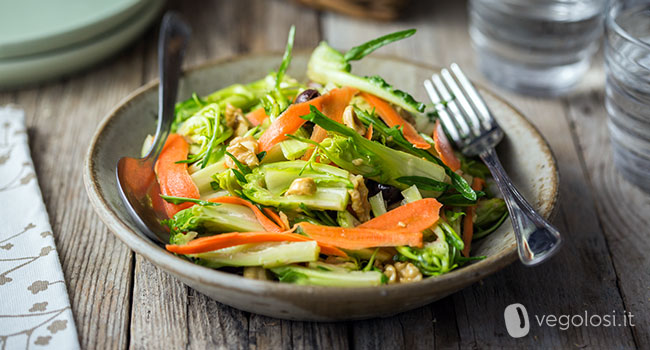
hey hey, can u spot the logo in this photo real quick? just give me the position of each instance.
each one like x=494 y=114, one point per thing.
x=517 y=323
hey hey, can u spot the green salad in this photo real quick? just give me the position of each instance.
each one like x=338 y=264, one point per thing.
x=340 y=180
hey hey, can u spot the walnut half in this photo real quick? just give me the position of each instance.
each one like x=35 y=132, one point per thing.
x=359 y=198
x=236 y=120
x=302 y=187
x=402 y=272
x=244 y=149
x=350 y=120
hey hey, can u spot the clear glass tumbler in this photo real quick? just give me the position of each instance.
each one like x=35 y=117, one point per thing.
x=536 y=47
x=627 y=98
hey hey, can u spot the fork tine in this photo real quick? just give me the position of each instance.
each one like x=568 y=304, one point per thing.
x=463 y=127
x=463 y=102
x=446 y=120
x=474 y=97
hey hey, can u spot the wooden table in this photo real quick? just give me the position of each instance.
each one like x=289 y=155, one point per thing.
x=121 y=300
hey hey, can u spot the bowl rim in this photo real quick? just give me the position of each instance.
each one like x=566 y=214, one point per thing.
x=225 y=280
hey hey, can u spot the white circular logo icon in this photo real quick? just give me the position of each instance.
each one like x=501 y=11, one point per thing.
x=516 y=318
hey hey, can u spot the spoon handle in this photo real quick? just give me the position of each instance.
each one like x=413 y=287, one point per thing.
x=172 y=42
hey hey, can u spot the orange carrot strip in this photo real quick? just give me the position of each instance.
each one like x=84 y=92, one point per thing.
x=333 y=107
x=257 y=117
x=226 y=240
x=392 y=118
x=414 y=216
x=443 y=147
x=335 y=101
x=329 y=249
x=289 y=122
x=267 y=223
x=173 y=178
x=359 y=238
x=468 y=220
x=275 y=217
x=369 y=132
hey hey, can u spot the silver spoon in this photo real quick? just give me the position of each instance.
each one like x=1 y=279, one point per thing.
x=135 y=176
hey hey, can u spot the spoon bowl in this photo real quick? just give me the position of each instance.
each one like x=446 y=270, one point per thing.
x=136 y=177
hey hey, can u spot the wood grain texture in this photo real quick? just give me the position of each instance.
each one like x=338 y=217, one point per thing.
x=120 y=300
x=623 y=208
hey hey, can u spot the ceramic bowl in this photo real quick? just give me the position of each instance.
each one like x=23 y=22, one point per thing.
x=524 y=153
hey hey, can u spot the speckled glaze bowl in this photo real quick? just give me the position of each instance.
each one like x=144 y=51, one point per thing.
x=524 y=153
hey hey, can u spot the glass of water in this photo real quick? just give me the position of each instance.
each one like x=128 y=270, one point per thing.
x=627 y=98
x=536 y=47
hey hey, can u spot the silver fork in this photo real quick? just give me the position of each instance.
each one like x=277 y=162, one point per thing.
x=469 y=123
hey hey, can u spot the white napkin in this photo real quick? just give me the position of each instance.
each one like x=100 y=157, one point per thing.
x=34 y=305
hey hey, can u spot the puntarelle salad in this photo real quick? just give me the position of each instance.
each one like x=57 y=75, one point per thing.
x=339 y=181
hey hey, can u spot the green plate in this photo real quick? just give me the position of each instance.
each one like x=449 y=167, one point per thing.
x=28 y=27
x=31 y=69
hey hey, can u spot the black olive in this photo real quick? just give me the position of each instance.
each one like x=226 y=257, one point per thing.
x=307 y=95
x=391 y=194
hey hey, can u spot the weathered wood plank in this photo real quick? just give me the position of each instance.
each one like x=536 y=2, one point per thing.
x=61 y=117
x=623 y=208
x=159 y=312
x=270 y=333
x=214 y=325
x=550 y=289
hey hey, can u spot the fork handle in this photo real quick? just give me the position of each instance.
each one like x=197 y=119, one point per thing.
x=537 y=239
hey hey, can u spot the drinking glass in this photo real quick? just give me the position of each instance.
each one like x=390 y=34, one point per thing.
x=627 y=90
x=536 y=47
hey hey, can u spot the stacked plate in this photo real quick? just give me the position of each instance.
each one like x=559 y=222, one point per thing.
x=41 y=40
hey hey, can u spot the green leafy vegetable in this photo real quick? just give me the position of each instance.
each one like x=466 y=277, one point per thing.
x=327 y=65
x=482 y=232
x=358 y=52
x=334 y=277
x=268 y=183
x=276 y=101
x=489 y=210
x=243 y=168
x=346 y=219
x=371 y=262
x=411 y=194
x=267 y=255
x=319 y=215
x=295 y=147
x=473 y=167
x=181 y=200
x=377 y=204
x=238 y=95
x=423 y=183
x=395 y=135
x=215 y=219
x=434 y=259
x=373 y=160
x=458 y=200
x=204 y=178
x=286 y=58
x=230 y=180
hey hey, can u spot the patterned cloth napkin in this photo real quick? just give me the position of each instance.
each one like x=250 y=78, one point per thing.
x=34 y=308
